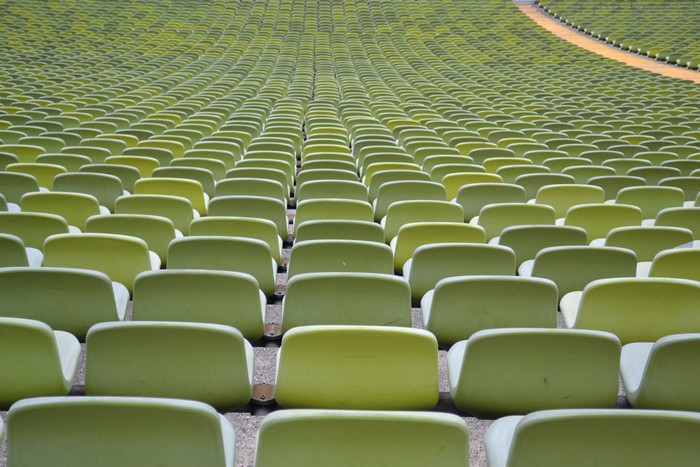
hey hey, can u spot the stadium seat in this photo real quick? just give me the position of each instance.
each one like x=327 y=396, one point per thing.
x=460 y=306
x=14 y=253
x=511 y=371
x=53 y=431
x=662 y=374
x=346 y=299
x=121 y=257
x=238 y=254
x=303 y=437
x=340 y=256
x=635 y=309
x=69 y=300
x=145 y=359
x=340 y=230
x=543 y=438
x=391 y=369
x=40 y=362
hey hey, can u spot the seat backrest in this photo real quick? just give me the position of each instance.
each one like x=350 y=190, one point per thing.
x=12 y=251
x=146 y=359
x=462 y=305
x=542 y=438
x=340 y=256
x=32 y=228
x=346 y=298
x=527 y=240
x=307 y=437
x=252 y=187
x=406 y=190
x=247 y=227
x=651 y=199
x=13 y=185
x=669 y=376
x=121 y=257
x=573 y=267
x=71 y=300
x=401 y=213
x=647 y=241
x=33 y=365
x=177 y=209
x=681 y=263
x=379 y=178
x=416 y=234
x=332 y=209
x=599 y=219
x=640 y=309
x=75 y=208
x=511 y=371
x=475 y=196
x=189 y=295
x=688 y=218
x=106 y=188
x=342 y=189
x=340 y=230
x=252 y=206
x=563 y=197
x=118 y=431
x=185 y=188
x=156 y=231
x=496 y=217
x=436 y=261
x=247 y=255
x=392 y=368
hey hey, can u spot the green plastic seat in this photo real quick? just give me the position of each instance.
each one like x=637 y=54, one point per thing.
x=339 y=189
x=496 y=217
x=346 y=299
x=114 y=431
x=690 y=185
x=599 y=219
x=75 y=208
x=391 y=368
x=332 y=209
x=511 y=371
x=43 y=362
x=219 y=297
x=14 y=253
x=573 y=267
x=121 y=257
x=340 y=230
x=662 y=374
x=340 y=256
x=380 y=178
x=358 y=437
x=527 y=240
x=635 y=309
x=252 y=206
x=651 y=199
x=66 y=299
x=688 y=218
x=247 y=255
x=251 y=187
x=246 y=227
x=144 y=359
x=645 y=241
x=533 y=182
x=475 y=196
x=436 y=261
x=678 y=262
x=416 y=234
x=391 y=192
x=401 y=213
x=184 y=188
x=105 y=188
x=563 y=197
x=156 y=231
x=44 y=173
x=454 y=181
x=14 y=185
x=177 y=209
x=543 y=438
x=612 y=184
